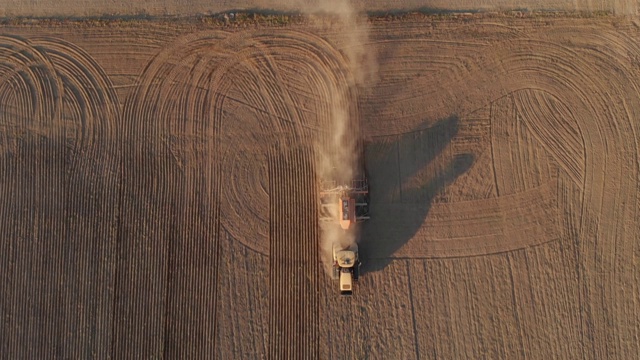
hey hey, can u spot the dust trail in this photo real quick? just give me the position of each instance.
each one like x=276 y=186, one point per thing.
x=354 y=27
x=338 y=149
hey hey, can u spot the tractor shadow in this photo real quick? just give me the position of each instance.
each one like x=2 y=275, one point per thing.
x=406 y=173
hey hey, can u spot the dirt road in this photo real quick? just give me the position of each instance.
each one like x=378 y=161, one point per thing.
x=180 y=7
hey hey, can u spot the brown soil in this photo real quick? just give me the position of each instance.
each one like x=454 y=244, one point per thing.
x=159 y=190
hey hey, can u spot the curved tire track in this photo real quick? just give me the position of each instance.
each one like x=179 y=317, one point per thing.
x=60 y=217
x=588 y=72
x=205 y=113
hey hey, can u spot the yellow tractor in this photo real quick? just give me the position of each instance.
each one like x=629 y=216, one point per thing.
x=346 y=267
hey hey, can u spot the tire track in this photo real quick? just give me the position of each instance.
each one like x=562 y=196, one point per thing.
x=471 y=228
x=205 y=113
x=519 y=162
x=589 y=72
x=58 y=109
x=542 y=113
x=294 y=308
x=596 y=106
x=170 y=259
x=89 y=113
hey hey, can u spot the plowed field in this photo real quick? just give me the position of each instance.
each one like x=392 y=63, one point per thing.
x=158 y=193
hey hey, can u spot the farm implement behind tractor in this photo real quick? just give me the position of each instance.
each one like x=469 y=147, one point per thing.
x=345 y=204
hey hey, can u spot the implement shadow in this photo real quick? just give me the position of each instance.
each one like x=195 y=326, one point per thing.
x=406 y=172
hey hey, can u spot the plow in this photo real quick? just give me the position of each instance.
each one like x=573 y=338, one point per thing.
x=345 y=204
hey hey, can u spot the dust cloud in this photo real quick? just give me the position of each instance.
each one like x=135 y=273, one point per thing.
x=338 y=146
